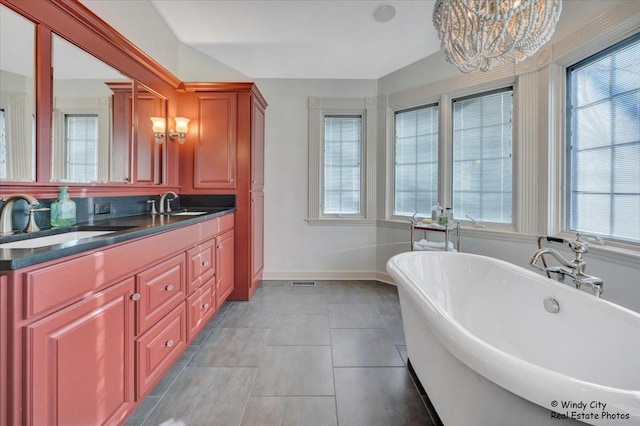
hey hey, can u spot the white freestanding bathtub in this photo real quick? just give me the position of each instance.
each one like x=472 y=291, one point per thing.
x=488 y=353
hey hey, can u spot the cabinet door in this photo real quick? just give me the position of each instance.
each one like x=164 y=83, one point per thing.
x=224 y=266
x=80 y=361
x=257 y=145
x=215 y=149
x=257 y=237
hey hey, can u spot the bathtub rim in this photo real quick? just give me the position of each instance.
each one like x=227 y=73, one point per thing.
x=504 y=369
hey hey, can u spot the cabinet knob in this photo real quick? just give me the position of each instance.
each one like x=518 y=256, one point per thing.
x=205 y=306
x=219 y=247
x=135 y=297
x=205 y=263
x=169 y=343
x=169 y=287
x=231 y=180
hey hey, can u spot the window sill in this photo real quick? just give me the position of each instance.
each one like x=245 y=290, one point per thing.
x=341 y=222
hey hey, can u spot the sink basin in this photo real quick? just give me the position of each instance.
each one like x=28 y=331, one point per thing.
x=195 y=213
x=50 y=240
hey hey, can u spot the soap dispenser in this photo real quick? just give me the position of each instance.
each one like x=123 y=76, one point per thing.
x=436 y=212
x=63 y=211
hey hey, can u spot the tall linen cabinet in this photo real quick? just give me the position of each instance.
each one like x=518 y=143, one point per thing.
x=224 y=154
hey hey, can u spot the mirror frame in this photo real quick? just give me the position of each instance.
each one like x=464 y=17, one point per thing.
x=78 y=25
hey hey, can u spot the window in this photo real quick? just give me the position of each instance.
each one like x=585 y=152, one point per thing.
x=342 y=174
x=342 y=137
x=482 y=160
x=416 y=161
x=603 y=143
x=81 y=135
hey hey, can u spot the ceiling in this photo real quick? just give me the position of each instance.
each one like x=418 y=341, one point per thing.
x=304 y=38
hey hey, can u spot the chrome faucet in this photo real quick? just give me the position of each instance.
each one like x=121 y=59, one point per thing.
x=163 y=197
x=573 y=269
x=6 y=221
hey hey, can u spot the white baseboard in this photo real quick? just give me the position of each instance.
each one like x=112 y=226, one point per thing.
x=327 y=275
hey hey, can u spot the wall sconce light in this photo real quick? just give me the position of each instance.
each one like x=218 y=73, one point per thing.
x=159 y=126
x=182 y=127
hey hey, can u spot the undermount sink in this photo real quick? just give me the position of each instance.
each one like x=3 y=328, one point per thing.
x=50 y=240
x=194 y=213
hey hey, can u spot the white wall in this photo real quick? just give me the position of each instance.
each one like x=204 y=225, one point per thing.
x=293 y=249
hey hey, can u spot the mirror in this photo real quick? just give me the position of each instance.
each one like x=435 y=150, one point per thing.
x=17 y=97
x=92 y=110
x=148 y=151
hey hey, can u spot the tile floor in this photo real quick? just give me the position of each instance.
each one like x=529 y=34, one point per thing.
x=325 y=355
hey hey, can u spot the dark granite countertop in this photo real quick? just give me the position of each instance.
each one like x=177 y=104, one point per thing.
x=126 y=228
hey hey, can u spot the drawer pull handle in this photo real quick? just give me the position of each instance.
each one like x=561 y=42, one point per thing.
x=135 y=297
x=169 y=287
x=205 y=263
x=169 y=343
x=205 y=306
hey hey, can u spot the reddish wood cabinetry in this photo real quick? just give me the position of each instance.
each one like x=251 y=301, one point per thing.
x=214 y=160
x=224 y=258
x=80 y=361
x=228 y=113
x=85 y=338
x=158 y=348
x=160 y=288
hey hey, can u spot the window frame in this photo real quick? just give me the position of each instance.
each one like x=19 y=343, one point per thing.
x=393 y=150
x=323 y=213
x=67 y=147
x=479 y=94
x=443 y=93
x=319 y=108
x=566 y=210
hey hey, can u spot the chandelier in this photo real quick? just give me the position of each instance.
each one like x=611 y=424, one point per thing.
x=474 y=33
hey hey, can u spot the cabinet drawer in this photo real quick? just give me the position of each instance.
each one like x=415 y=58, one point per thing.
x=161 y=288
x=200 y=308
x=202 y=264
x=158 y=348
x=62 y=282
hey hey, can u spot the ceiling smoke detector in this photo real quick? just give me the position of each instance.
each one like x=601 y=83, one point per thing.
x=384 y=13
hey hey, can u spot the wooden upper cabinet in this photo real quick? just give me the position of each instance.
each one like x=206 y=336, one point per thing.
x=257 y=144
x=214 y=161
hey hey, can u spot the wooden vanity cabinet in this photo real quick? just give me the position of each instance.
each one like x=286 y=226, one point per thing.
x=85 y=338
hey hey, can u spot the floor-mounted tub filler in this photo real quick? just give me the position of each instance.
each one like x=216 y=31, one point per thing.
x=497 y=344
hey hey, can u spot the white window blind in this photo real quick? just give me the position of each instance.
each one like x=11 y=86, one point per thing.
x=342 y=158
x=416 y=161
x=482 y=157
x=604 y=143
x=82 y=147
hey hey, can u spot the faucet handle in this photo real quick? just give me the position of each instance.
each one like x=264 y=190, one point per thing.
x=31 y=225
x=153 y=207
x=592 y=237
